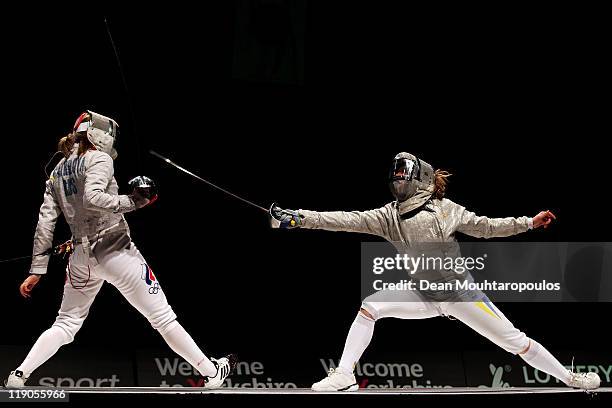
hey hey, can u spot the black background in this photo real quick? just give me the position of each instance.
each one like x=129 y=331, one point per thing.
x=511 y=101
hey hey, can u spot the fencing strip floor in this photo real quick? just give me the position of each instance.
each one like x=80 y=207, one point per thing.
x=307 y=391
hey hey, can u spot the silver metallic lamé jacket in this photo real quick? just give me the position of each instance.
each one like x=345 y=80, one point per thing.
x=84 y=189
x=434 y=223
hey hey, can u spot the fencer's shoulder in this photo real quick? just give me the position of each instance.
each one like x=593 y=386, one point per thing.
x=445 y=204
x=96 y=156
x=389 y=207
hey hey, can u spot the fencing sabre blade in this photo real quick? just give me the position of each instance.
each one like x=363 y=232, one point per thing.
x=127 y=93
x=184 y=170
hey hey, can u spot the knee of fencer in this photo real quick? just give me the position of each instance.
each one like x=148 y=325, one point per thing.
x=69 y=328
x=163 y=321
x=516 y=345
x=368 y=311
x=167 y=327
x=530 y=349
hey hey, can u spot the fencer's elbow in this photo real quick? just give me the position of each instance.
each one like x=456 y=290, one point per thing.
x=89 y=200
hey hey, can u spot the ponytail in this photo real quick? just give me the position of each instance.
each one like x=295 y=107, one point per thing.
x=440 y=183
x=66 y=143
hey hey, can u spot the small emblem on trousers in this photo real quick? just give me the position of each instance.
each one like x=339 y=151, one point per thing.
x=154 y=289
x=149 y=277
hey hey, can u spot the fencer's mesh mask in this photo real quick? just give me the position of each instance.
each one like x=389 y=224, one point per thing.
x=407 y=175
x=102 y=131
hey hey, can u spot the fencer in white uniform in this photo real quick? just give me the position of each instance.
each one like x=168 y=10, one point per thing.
x=421 y=214
x=82 y=187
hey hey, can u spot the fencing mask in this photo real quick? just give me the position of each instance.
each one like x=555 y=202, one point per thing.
x=411 y=181
x=102 y=131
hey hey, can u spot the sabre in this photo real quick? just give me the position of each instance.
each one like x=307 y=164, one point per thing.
x=184 y=170
x=127 y=92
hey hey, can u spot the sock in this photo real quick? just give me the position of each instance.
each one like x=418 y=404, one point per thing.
x=538 y=357
x=45 y=347
x=357 y=341
x=182 y=344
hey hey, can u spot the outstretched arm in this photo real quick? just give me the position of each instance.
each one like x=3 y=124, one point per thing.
x=375 y=222
x=485 y=227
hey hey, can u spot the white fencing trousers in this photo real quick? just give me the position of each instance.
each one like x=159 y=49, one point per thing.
x=483 y=317
x=119 y=263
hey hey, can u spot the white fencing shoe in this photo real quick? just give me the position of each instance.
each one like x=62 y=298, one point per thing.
x=225 y=366
x=585 y=381
x=15 y=380
x=337 y=380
